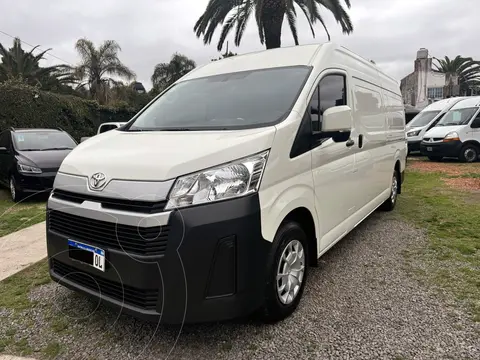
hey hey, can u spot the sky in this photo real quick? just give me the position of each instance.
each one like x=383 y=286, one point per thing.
x=150 y=31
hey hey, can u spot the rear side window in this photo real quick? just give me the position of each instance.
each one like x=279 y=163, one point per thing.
x=330 y=92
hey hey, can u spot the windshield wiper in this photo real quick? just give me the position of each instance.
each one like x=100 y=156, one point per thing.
x=31 y=149
x=58 y=148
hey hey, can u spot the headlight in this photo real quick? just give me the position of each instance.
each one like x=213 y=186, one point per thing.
x=235 y=179
x=413 y=133
x=451 y=136
x=28 y=169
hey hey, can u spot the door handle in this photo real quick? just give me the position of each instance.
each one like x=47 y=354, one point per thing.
x=350 y=142
x=360 y=141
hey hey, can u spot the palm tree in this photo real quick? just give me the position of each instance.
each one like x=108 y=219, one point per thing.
x=165 y=74
x=466 y=69
x=25 y=67
x=269 y=15
x=99 y=65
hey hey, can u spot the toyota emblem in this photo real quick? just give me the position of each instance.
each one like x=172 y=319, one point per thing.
x=97 y=181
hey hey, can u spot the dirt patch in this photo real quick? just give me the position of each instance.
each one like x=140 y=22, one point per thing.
x=449 y=168
x=469 y=184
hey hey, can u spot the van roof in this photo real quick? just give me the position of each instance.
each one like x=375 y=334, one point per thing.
x=468 y=102
x=280 y=57
x=443 y=104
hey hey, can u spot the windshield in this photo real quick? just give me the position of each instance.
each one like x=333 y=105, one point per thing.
x=42 y=140
x=457 y=117
x=423 y=118
x=237 y=100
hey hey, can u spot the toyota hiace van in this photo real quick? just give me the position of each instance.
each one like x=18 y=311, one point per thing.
x=216 y=198
x=457 y=134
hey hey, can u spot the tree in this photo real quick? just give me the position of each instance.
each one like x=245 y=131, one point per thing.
x=226 y=54
x=269 y=16
x=98 y=66
x=466 y=69
x=16 y=64
x=165 y=74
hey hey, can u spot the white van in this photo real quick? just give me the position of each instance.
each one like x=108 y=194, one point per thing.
x=104 y=128
x=215 y=199
x=457 y=134
x=425 y=120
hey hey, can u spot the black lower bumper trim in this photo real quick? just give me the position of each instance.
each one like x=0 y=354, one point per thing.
x=442 y=149
x=414 y=146
x=213 y=268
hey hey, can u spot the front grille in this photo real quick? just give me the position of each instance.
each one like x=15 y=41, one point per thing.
x=132 y=239
x=434 y=139
x=138 y=206
x=144 y=299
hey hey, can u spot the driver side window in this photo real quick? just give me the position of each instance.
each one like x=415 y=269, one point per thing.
x=476 y=122
x=330 y=92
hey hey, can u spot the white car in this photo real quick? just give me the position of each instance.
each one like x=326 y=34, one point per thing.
x=457 y=134
x=104 y=128
x=214 y=201
x=427 y=119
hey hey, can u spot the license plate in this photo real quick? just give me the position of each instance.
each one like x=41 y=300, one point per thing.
x=87 y=254
x=429 y=148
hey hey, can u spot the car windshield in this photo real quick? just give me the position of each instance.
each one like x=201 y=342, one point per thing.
x=423 y=118
x=457 y=117
x=229 y=101
x=42 y=140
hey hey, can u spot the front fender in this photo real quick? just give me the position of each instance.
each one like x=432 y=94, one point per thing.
x=275 y=206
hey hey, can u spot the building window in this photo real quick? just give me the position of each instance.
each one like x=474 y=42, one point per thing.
x=435 y=93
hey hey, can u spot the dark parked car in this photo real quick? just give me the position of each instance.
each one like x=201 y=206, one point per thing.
x=30 y=158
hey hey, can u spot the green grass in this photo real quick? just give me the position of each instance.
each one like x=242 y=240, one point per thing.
x=452 y=222
x=52 y=350
x=15 y=289
x=14 y=217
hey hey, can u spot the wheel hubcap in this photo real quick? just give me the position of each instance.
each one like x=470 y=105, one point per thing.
x=393 y=197
x=12 y=189
x=470 y=155
x=291 y=269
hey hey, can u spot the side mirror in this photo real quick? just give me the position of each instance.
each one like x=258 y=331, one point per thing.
x=3 y=150
x=337 y=123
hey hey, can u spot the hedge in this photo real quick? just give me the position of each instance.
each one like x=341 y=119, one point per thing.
x=23 y=106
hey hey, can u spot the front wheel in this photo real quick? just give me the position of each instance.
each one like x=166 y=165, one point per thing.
x=390 y=203
x=469 y=153
x=287 y=269
x=435 y=158
x=15 y=192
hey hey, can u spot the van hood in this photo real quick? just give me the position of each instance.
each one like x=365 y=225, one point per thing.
x=441 y=131
x=415 y=128
x=163 y=155
x=45 y=160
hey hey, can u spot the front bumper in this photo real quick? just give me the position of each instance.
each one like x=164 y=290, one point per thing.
x=441 y=149
x=33 y=183
x=414 y=145
x=213 y=267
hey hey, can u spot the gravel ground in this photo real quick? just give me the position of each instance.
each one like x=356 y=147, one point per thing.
x=360 y=303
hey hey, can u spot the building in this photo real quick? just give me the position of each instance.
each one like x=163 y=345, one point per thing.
x=424 y=85
x=138 y=87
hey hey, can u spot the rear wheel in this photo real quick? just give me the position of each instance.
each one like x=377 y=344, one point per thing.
x=435 y=158
x=287 y=269
x=469 y=153
x=390 y=203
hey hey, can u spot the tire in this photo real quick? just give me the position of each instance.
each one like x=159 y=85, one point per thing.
x=469 y=153
x=290 y=236
x=435 y=158
x=15 y=192
x=390 y=203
